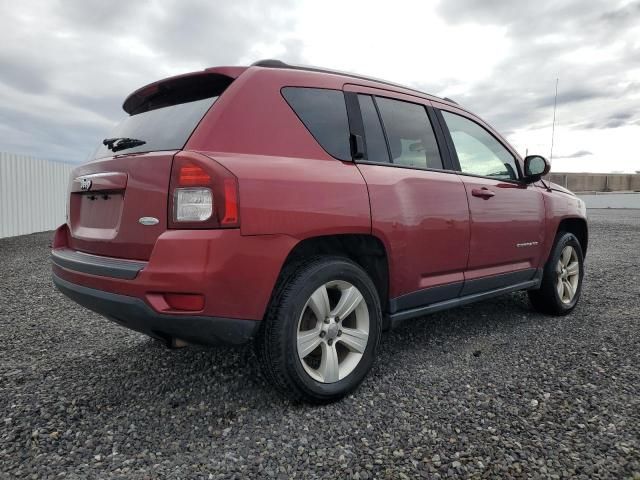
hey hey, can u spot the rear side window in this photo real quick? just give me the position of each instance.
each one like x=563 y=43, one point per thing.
x=411 y=139
x=324 y=113
x=374 y=136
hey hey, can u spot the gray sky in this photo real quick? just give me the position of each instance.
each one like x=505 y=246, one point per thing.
x=66 y=66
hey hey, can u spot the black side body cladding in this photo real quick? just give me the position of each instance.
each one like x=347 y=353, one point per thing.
x=494 y=282
x=135 y=314
x=425 y=296
x=435 y=299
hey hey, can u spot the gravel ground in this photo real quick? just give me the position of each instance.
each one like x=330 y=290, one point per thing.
x=489 y=390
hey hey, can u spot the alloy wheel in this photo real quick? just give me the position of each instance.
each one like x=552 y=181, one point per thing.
x=333 y=331
x=568 y=272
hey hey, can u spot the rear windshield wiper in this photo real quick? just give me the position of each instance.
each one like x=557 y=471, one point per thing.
x=121 y=143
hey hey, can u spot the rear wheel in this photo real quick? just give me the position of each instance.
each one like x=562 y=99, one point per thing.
x=322 y=330
x=562 y=278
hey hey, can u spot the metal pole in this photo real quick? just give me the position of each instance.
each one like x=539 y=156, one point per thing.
x=553 y=125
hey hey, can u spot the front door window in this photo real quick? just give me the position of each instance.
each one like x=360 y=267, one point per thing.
x=479 y=153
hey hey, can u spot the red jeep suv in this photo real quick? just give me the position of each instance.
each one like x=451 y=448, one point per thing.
x=307 y=210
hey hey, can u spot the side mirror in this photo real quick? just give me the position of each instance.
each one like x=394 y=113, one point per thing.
x=535 y=166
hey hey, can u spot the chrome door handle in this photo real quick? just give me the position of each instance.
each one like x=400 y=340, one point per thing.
x=483 y=192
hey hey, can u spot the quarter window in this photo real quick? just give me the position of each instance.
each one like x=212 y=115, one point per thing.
x=479 y=153
x=324 y=113
x=412 y=142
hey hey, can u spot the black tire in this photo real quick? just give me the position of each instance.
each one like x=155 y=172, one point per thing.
x=276 y=343
x=547 y=298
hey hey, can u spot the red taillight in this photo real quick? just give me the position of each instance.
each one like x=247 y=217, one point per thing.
x=202 y=193
x=230 y=202
x=191 y=175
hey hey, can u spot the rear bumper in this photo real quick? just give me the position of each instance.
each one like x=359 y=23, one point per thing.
x=135 y=314
x=233 y=274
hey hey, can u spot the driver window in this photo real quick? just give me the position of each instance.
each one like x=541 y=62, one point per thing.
x=478 y=151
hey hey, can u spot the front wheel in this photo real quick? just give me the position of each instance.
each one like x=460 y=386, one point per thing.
x=322 y=330
x=562 y=278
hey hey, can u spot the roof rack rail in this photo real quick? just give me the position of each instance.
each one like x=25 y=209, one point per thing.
x=273 y=63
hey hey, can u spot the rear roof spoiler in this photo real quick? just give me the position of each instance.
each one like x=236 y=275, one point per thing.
x=135 y=103
x=139 y=100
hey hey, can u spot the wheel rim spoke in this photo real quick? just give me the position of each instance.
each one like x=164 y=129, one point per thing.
x=568 y=289
x=349 y=301
x=573 y=268
x=329 y=365
x=354 y=339
x=308 y=341
x=333 y=331
x=560 y=288
x=319 y=303
x=568 y=274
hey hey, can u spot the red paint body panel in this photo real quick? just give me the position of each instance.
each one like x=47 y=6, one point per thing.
x=300 y=197
x=110 y=226
x=252 y=117
x=513 y=216
x=558 y=206
x=232 y=271
x=422 y=217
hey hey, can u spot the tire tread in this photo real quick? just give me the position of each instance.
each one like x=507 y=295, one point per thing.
x=270 y=339
x=545 y=299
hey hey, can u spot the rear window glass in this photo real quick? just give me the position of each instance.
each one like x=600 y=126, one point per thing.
x=410 y=135
x=324 y=113
x=374 y=136
x=166 y=128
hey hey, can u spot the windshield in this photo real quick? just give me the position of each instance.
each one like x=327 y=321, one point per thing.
x=166 y=128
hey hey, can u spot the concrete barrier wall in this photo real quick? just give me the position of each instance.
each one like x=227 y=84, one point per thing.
x=597 y=182
x=33 y=194
x=611 y=200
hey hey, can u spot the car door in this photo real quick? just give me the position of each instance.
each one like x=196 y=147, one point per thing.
x=418 y=204
x=507 y=215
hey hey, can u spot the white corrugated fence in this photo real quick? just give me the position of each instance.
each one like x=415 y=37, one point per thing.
x=33 y=194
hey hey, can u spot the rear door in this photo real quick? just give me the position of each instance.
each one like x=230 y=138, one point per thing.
x=418 y=205
x=507 y=215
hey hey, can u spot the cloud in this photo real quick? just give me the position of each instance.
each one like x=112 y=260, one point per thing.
x=575 y=95
x=622 y=16
x=588 y=51
x=578 y=154
x=614 y=120
x=67 y=65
